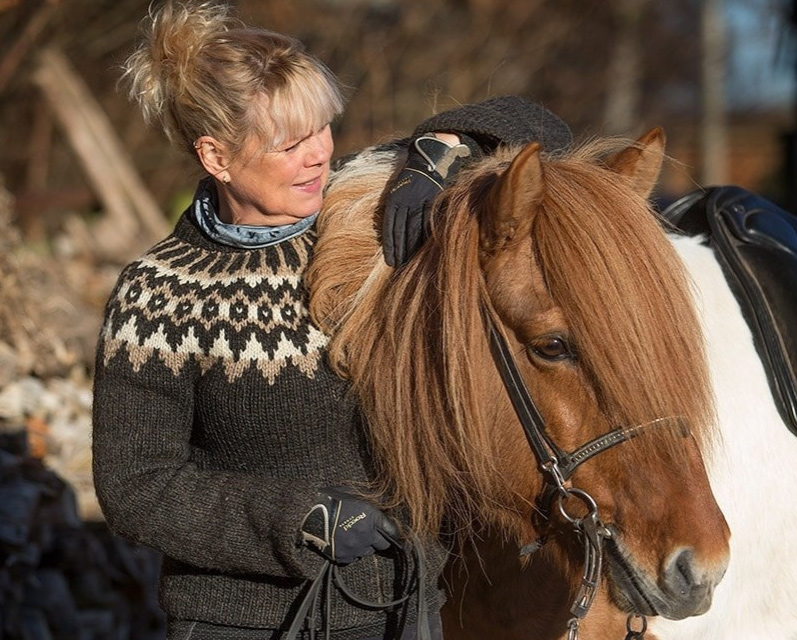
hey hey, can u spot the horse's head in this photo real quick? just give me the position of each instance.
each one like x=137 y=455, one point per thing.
x=566 y=257
x=595 y=306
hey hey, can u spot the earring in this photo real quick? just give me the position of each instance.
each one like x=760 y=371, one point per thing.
x=226 y=179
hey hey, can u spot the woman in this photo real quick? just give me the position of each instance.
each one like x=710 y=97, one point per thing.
x=221 y=438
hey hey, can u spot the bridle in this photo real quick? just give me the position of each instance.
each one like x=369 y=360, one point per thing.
x=557 y=466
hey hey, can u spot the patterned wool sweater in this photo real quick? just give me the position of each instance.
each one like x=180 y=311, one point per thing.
x=216 y=420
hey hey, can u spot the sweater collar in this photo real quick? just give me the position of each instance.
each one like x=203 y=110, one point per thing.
x=242 y=236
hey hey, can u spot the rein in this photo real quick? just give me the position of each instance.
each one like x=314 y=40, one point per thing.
x=314 y=609
x=557 y=466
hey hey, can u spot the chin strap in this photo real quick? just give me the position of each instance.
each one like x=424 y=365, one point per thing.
x=309 y=616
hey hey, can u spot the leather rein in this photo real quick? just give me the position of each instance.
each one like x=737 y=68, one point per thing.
x=557 y=466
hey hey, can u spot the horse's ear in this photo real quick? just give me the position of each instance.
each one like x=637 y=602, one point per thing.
x=513 y=200
x=641 y=162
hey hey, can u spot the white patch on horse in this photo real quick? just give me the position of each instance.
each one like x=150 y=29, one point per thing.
x=753 y=475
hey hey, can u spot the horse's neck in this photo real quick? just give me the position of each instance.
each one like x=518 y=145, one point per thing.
x=751 y=429
x=753 y=473
x=746 y=410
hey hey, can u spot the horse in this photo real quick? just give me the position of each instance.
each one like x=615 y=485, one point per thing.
x=545 y=277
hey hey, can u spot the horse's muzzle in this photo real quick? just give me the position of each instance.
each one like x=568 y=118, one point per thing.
x=684 y=588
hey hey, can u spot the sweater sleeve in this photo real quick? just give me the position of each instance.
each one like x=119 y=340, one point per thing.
x=152 y=492
x=507 y=120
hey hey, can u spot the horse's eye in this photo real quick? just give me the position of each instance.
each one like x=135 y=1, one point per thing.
x=551 y=348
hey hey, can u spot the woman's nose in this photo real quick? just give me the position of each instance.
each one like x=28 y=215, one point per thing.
x=320 y=148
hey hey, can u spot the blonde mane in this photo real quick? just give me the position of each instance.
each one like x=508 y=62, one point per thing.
x=413 y=341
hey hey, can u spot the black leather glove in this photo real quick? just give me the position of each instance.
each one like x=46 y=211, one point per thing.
x=343 y=527
x=430 y=164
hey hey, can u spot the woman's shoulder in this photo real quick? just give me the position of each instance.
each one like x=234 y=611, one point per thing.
x=185 y=240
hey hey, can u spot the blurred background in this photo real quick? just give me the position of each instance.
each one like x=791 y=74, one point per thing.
x=85 y=187
x=717 y=74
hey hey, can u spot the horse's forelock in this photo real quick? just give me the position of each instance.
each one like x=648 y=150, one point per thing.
x=631 y=310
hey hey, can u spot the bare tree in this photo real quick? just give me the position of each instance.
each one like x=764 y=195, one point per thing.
x=621 y=113
x=713 y=136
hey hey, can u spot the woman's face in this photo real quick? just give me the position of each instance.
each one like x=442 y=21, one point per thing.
x=278 y=187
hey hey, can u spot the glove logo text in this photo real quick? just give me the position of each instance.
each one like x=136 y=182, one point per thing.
x=350 y=522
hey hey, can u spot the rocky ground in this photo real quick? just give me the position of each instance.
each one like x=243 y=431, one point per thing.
x=63 y=576
x=48 y=328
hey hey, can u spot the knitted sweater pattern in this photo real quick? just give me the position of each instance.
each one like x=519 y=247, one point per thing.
x=216 y=420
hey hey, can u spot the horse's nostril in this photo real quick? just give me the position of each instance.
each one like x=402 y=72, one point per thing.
x=679 y=575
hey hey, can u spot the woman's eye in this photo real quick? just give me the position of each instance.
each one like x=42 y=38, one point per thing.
x=296 y=144
x=551 y=348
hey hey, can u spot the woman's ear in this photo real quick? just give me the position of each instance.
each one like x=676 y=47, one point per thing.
x=214 y=157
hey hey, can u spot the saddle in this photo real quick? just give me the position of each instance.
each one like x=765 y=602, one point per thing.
x=755 y=242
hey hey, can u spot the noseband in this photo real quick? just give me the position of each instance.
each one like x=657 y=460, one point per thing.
x=557 y=466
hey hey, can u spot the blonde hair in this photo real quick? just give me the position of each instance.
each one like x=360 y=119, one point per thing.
x=200 y=71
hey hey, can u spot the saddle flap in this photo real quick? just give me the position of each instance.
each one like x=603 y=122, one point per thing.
x=755 y=242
